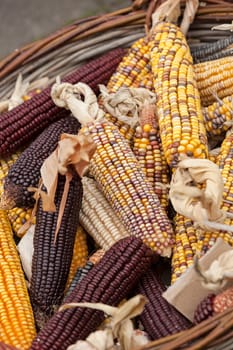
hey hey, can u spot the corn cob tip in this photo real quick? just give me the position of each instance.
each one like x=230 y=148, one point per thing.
x=7 y=202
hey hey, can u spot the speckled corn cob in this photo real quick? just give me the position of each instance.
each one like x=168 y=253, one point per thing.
x=109 y=281
x=4 y=346
x=148 y=150
x=51 y=260
x=214 y=78
x=178 y=103
x=225 y=163
x=159 y=318
x=133 y=67
x=218 y=115
x=80 y=253
x=17 y=326
x=26 y=121
x=120 y=177
x=185 y=246
x=26 y=170
x=98 y=217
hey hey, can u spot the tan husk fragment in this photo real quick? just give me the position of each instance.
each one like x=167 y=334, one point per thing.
x=168 y=11
x=219 y=273
x=189 y=15
x=196 y=192
x=20 y=90
x=120 y=326
x=72 y=150
x=69 y=96
x=126 y=103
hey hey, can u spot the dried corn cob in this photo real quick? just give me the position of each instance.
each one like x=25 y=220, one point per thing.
x=133 y=67
x=214 y=78
x=108 y=282
x=205 y=52
x=17 y=326
x=98 y=217
x=178 y=103
x=185 y=246
x=218 y=116
x=83 y=271
x=17 y=216
x=80 y=253
x=119 y=175
x=148 y=150
x=205 y=309
x=23 y=123
x=26 y=170
x=51 y=260
x=158 y=318
x=4 y=346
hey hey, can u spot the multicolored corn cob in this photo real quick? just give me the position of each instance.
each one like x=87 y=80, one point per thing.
x=26 y=170
x=98 y=218
x=218 y=116
x=109 y=281
x=180 y=117
x=120 y=177
x=148 y=150
x=80 y=253
x=214 y=78
x=18 y=217
x=17 y=326
x=133 y=67
x=51 y=260
x=185 y=247
x=159 y=318
x=26 y=121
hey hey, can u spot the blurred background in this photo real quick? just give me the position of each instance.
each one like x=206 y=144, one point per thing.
x=23 y=21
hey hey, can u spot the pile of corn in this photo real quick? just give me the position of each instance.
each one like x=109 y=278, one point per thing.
x=118 y=226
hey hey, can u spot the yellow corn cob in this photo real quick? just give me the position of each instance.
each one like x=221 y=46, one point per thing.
x=17 y=326
x=98 y=218
x=17 y=216
x=80 y=254
x=214 y=78
x=119 y=175
x=218 y=116
x=133 y=71
x=133 y=68
x=148 y=150
x=185 y=246
x=178 y=102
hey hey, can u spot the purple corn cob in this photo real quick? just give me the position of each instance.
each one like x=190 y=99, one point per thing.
x=158 y=318
x=23 y=123
x=107 y=282
x=205 y=309
x=26 y=170
x=51 y=260
x=4 y=346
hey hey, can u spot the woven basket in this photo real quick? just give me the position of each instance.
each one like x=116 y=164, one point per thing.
x=75 y=44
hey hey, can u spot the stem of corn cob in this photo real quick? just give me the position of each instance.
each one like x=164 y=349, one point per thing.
x=116 y=170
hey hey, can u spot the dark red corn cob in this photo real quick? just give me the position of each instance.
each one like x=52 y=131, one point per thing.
x=23 y=123
x=107 y=282
x=205 y=309
x=26 y=170
x=4 y=346
x=51 y=260
x=159 y=318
